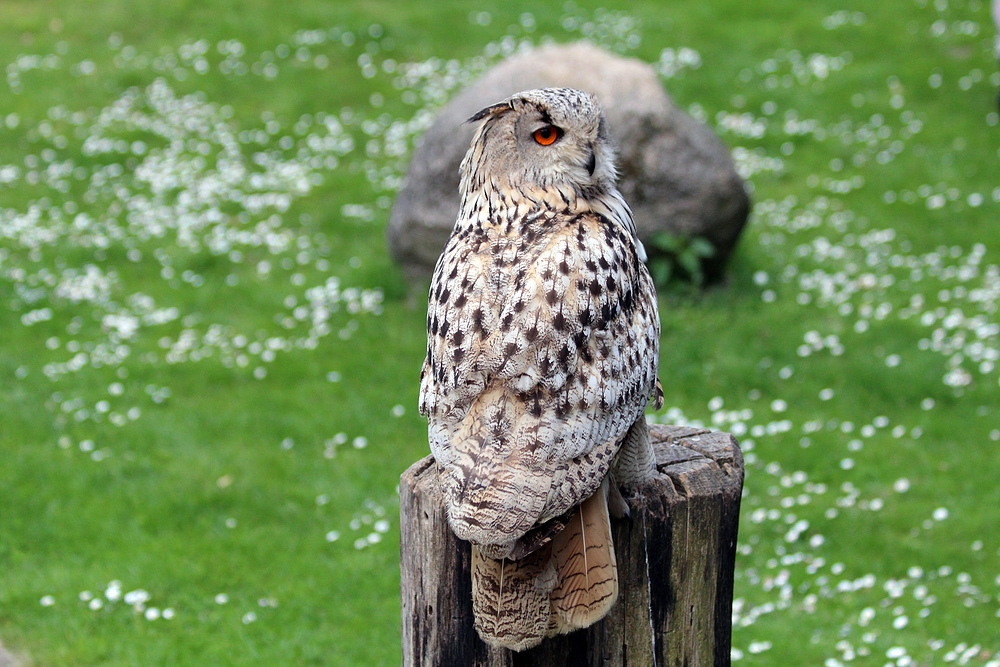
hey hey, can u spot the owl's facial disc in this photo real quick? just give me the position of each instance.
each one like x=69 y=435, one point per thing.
x=561 y=150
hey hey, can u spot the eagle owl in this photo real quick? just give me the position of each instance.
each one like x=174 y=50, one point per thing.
x=542 y=349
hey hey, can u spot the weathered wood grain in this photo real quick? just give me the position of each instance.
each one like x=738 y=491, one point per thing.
x=676 y=559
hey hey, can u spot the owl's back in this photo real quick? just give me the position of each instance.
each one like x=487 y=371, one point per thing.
x=542 y=343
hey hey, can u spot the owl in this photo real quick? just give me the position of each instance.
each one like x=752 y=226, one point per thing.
x=542 y=349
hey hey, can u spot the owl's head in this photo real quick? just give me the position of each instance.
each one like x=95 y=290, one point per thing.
x=551 y=137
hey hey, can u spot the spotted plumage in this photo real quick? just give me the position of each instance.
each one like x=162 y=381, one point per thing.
x=542 y=348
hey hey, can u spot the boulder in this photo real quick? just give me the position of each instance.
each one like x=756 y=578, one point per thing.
x=675 y=173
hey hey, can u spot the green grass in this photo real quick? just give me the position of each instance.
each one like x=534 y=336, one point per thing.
x=214 y=474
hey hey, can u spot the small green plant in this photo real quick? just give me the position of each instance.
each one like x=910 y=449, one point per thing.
x=678 y=256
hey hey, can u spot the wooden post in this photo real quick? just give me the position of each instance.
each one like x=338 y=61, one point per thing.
x=675 y=566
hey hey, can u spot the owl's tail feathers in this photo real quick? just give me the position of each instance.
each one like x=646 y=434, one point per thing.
x=569 y=584
x=510 y=599
x=584 y=559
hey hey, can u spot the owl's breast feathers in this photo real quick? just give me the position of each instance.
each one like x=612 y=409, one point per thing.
x=542 y=350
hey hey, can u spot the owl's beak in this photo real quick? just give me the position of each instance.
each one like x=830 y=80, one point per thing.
x=591 y=160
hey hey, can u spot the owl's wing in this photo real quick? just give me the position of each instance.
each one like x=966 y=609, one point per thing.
x=540 y=358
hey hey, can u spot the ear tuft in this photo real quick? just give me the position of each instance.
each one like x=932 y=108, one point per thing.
x=494 y=109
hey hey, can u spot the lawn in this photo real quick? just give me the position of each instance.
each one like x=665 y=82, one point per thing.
x=208 y=363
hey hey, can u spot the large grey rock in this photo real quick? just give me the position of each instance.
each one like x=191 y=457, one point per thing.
x=675 y=173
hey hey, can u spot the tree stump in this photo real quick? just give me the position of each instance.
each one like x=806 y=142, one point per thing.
x=676 y=559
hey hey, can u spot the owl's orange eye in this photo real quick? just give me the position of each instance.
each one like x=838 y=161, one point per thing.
x=546 y=136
